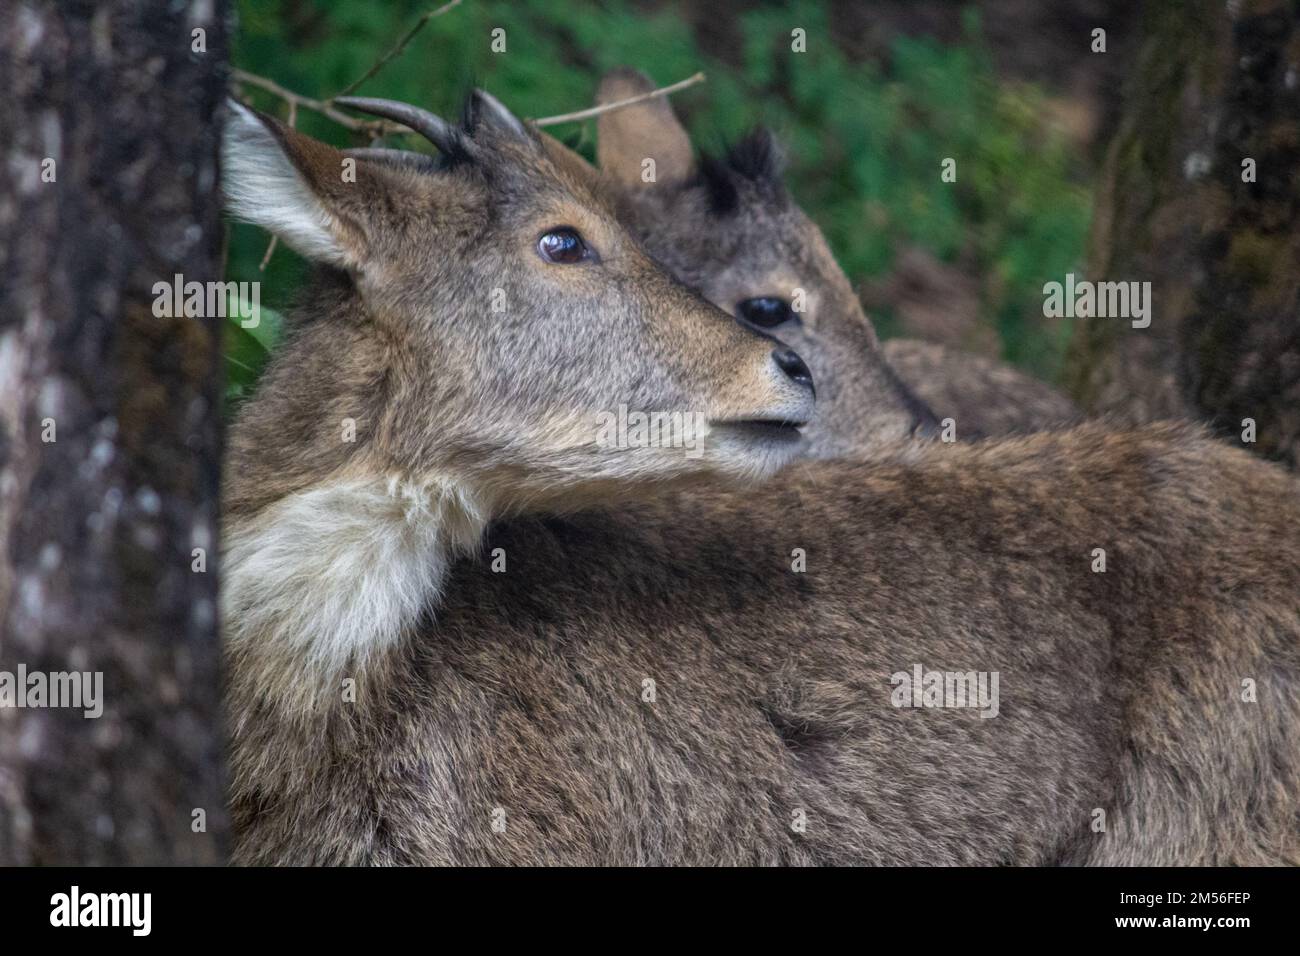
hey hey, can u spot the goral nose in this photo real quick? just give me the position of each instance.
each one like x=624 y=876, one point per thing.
x=788 y=361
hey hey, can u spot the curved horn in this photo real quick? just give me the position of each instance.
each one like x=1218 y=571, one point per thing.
x=433 y=128
x=402 y=156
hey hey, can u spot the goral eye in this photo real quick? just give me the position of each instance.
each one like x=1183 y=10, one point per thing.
x=563 y=246
x=766 y=312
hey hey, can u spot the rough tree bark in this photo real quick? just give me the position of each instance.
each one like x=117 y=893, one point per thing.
x=97 y=526
x=1214 y=84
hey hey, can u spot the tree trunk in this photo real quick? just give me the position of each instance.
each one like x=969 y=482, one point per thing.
x=109 y=429
x=1214 y=85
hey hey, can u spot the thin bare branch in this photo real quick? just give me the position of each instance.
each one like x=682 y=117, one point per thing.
x=401 y=45
x=619 y=104
x=270 y=248
x=324 y=107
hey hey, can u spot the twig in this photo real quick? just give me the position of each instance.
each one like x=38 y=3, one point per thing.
x=376 y=129
x=270 y=246
x=372 y=127
x=401 y=45
x=619 y=104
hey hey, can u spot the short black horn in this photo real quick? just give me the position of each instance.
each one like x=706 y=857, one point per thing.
x=433 y=128
x=401 y=156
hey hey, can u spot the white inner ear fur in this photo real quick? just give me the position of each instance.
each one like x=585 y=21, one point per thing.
x=263 y=187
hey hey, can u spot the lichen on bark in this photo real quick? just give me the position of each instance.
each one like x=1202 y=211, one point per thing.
x=98 y=526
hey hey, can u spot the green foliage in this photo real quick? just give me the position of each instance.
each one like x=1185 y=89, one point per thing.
x=247 y=349
x=866 y=142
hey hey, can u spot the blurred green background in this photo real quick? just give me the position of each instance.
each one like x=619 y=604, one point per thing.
x=868 y=114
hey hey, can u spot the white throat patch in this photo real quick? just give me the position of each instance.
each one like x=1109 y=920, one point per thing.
x=326 y=579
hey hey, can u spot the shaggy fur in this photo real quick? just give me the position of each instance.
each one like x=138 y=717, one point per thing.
x=985 y=399
x=1120 y=691
x=394 y=699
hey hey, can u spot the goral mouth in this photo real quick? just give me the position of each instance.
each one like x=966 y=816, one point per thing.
x=779 y=429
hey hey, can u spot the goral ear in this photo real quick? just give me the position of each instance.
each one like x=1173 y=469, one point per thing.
x=570 y=160
x=649 y=130
x=300 y=189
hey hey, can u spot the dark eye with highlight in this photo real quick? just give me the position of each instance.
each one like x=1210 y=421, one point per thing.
x=766 y=312
x=563 y=246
